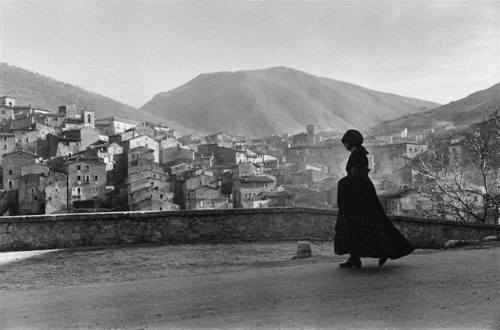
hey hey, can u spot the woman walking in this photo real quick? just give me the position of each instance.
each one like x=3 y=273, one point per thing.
x=362 y=228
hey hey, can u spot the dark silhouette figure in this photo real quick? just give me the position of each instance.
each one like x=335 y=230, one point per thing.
x=362 y=227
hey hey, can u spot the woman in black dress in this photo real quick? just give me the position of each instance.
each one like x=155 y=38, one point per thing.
x=362 y=228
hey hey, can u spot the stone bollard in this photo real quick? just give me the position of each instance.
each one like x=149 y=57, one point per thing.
x=452 y=243
x=303 y=250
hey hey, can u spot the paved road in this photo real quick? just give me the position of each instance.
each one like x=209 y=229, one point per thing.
x=450 y=289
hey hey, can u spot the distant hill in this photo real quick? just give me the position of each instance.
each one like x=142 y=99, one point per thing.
x=471 y=109
x=38 y=90
x=275 y=101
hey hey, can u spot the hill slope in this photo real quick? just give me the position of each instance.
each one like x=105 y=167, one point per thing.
x=471 y=109
x=38 y=90
x=275 y=101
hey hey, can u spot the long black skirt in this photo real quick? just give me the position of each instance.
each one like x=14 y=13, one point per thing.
x=362 y=227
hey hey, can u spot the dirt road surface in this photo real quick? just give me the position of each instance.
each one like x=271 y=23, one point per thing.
x=450 y=289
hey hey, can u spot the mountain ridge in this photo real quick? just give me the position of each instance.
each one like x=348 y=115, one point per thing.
x=472 y=108
x=39 y=90
x=276 y=100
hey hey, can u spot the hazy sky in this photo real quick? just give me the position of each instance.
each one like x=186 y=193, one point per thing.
x=439 y=51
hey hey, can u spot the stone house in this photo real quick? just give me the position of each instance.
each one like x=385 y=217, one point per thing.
x=190 y=139
x=77 y=118
x=12 y=164
x=7 y=101
x=31 y=196
x=168 y=142
x=114 y=125
x=204 y=197
x=179 y=166
x=153 y=199
x=107 y=152
x=88 y=136
x=201 y=179
x=148 y=142
x=145 y=177
x=42 y=193
x=244 y=170
x=56 y=193
x=6 y=113
x=166 y=132
x=7 y=144
x=252 y=186
x=171 y=154
x=237 y=171
x=53 y=120
x=223 y=156
x=68 y=143
x=220 y=139
x=86 y=179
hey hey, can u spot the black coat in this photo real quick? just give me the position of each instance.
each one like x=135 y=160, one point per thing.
x=362 y=227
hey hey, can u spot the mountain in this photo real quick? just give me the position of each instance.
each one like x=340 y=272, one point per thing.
x=471 y=109
x=275 y=101
x=44 y=92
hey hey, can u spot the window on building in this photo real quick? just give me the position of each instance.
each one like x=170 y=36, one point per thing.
x=87 y=167
x=5 y=138
x=96 y=178
x=79 y=167
x=10 y=184
x=78 y=190
x=87 y=179
x=10 y=172
x=4 y=146
x=79 y=178
x=89 y=118
x=161 y=196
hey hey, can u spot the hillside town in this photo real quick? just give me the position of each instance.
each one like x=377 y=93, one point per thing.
x=69 y=161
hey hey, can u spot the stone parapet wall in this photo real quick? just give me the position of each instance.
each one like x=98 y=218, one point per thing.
x=266 y=224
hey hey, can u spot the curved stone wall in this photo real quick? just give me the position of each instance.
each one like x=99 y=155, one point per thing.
x=169 y=227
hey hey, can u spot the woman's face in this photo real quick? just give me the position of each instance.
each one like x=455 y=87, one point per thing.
x=347 y=146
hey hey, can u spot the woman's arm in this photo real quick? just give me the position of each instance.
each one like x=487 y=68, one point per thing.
x=357 y=165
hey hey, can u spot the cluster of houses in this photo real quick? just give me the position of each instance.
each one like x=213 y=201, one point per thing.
x=69 y=161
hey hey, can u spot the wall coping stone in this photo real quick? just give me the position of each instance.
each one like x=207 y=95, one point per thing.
x=156 y=214
x=124 y=215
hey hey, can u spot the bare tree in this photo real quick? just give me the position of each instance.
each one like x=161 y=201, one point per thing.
x=465 y=187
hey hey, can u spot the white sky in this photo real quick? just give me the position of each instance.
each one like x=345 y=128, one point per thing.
x=129 y=51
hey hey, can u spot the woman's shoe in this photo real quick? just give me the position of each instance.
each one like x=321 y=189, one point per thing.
x=351 y=263
x=382 y=261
